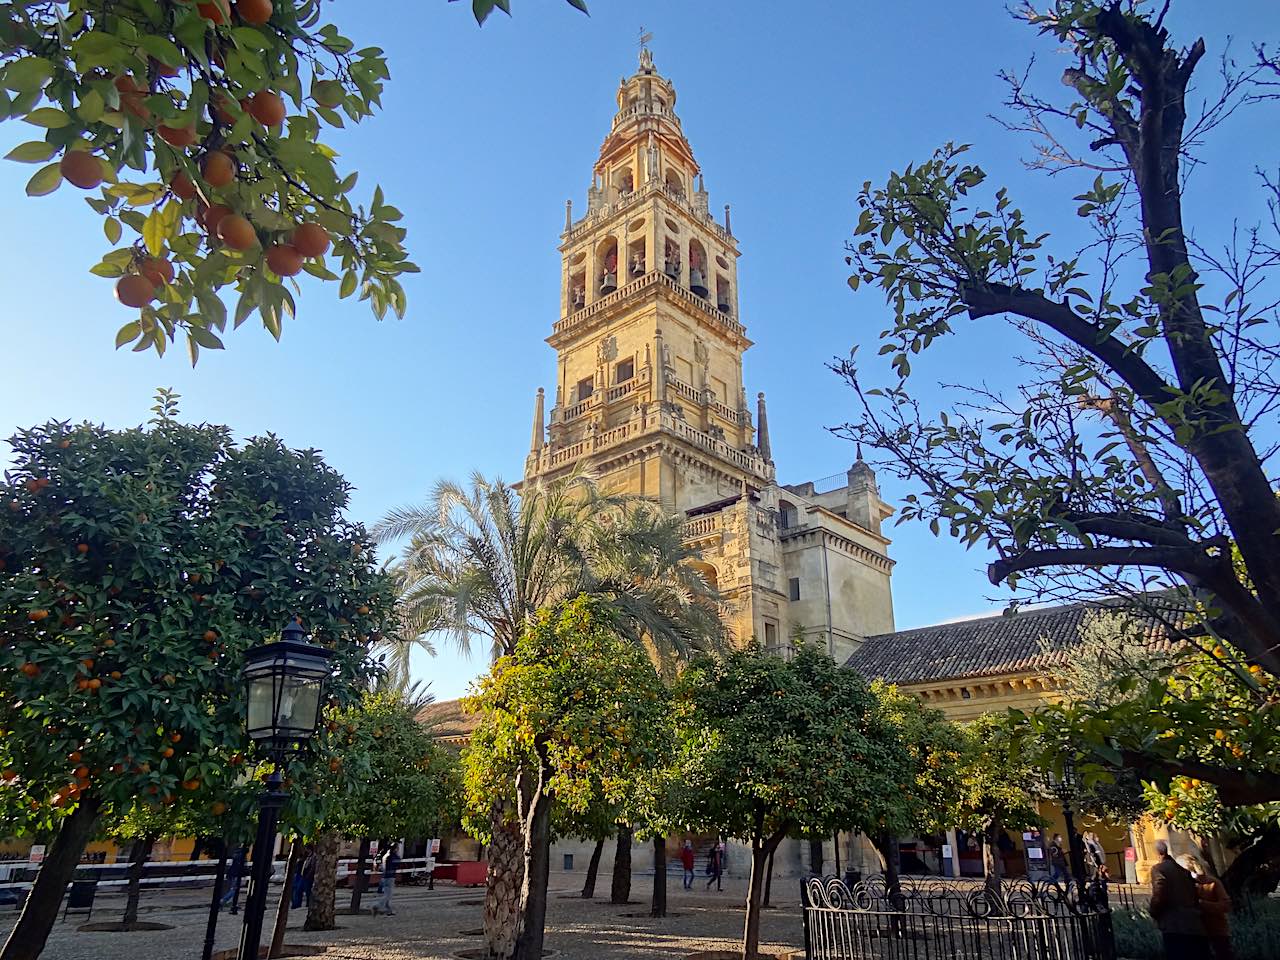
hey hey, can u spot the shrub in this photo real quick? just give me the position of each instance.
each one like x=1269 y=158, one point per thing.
x=1255 y=931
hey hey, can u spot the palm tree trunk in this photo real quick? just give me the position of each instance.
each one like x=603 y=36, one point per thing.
x=620 y=891
x=324 y=890
x=286 y=898
x=138 y=858
x=362 y=876
x=593 y=868
x=502 y=885
x=40 y=912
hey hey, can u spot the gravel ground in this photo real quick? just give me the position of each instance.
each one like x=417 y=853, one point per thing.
x=434 y=925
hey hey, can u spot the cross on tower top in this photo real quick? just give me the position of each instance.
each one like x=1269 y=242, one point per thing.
x=646 y=55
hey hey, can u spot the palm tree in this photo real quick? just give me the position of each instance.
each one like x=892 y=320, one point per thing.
x=481 y=561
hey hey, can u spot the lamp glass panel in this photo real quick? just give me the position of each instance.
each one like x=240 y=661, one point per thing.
x=299 y=704
x=262 y=706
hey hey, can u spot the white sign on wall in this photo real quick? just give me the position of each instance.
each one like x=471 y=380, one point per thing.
x=36 y=855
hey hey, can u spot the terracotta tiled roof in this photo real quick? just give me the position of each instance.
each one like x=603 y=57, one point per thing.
x=984 y=646
x=448 y=721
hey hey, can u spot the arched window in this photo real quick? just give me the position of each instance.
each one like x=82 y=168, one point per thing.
x=675 y=183
x=788 y=517
x=637 y=263
x=607 y=265
x=697 y=269
x=723 y=301
x=671 y=259
x=708 y=572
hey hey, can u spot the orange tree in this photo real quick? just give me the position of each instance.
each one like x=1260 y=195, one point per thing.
x=569 y=719
x=196 y=130
x=768 y=747
x=136 y=567
x=386 y=777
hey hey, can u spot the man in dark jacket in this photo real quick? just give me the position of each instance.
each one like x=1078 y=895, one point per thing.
x=1175 y=907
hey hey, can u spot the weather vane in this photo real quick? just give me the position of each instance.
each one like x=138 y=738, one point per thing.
x=644 y=38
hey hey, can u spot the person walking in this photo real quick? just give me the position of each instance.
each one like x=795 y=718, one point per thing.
x=390 y=864
x=1215 y=908
x=686 y=861
x=715 y=866
x=305 y=879
x=1175 y=907
x=235 y=873
x=1057 y=859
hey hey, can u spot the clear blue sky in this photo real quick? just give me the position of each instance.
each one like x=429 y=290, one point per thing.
x=485 y=133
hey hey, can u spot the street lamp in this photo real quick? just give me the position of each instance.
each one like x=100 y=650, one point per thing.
x=284 y=685
x=1065 y=788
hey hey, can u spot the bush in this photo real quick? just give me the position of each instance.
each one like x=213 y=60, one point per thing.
x=1255 y=931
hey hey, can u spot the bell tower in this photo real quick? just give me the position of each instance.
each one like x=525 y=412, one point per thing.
x=649 y=395
x=649 y=389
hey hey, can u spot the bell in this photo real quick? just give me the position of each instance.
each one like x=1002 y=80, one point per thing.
x=609 y=283
x=696 y=283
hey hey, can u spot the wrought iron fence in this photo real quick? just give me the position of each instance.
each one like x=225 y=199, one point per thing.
x=940 y=920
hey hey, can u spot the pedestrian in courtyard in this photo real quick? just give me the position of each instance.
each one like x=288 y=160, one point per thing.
x=305 y=880
x=715 y=866
x=1215 y=908
x=235 y=872
x=390 y=864
x=1175 y=907
x=1057 y=859
x=686 y=861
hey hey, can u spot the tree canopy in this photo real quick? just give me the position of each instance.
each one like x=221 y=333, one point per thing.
x=1139 y=443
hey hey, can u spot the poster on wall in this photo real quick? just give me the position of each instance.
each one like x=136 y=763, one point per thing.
x=36 y=854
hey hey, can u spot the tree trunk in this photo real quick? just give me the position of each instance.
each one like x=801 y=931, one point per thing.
x=215 y=901
x=659 y=908
x=761 y=850
x=887 y=846
x=537 y=867
x=620 y=891
x=138 y=858
x=768 y=880
x=40 y=912
x=286 y=898
x=502 y=886
x=593 y=868
x=1256 y=871
x=992 y=866
x=815 y=856
x=324 y=890
x=362 y=877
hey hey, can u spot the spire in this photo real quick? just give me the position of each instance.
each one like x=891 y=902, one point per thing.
x=538 y=440
x=762 y=430
x=568 y=215
x=727 y=229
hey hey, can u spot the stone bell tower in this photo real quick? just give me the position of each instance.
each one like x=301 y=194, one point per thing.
x=649 y=393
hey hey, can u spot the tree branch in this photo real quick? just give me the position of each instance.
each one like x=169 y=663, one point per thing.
x=1235 y=787
x=988 y=299
x=1126 y=525
x=1192 y=561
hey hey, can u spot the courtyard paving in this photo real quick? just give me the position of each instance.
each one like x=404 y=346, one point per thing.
x=437 y=924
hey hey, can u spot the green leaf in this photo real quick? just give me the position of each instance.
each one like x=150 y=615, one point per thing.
x=46 y=180
x=206 y=338
x=251 y=38
x=50 y=117
x=33 y=151
x=27 y=74
x=579 y=5
x=111 y=227
x=91 y=107
x=163 y=49
x=348 y=285
x=128 y=333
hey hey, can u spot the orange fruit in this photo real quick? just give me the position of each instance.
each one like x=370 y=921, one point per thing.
x=213 y=215
x=30 y=669
x=81 y=772
x=217 y=11
x=221 y=109
x=310 y=239
x=218 y=169
x=115 y=674
x=35 y=616
x=254 y=11
x=132 y=103
x=191 y=784
x=267 y=108
x=167 y=752
x=95 y=683
x=175 y=737
x=217 y=808
x=182 y=186
x=87 y=663
x=135 y=290
x=109 y=642
x=237 y=232
x=284 y=260
x=81 y=168
x=158 y=270
x=177 y=136
x=82 y=547
x=210 y=636
x=126 y=84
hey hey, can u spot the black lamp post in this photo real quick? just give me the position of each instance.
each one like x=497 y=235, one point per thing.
x=284 y=683
x=1065 y=788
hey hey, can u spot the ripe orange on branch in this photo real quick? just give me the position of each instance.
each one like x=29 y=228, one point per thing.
x=267 y=108
x=218 y=169
x=236 y=232
x=311 y=239
x=135 y=290
x=182 y=186
x=158 y=270
x=216 y=11
x=284 y=260
x=81 y=168
x=254 y=11
x=177 y=136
